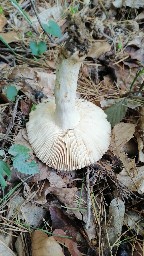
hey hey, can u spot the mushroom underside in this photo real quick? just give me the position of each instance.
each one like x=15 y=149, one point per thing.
x=73 y=148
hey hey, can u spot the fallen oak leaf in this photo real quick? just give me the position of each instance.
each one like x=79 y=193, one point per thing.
x=71 y=245
x=44 y=245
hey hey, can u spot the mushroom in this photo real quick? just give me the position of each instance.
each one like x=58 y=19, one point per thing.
x=68 y=133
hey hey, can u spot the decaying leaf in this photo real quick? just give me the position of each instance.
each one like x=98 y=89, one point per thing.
x=10 y=37
x=121 y=134
x=42 y=245
x=45 y=15
x=61 y=221
x=131 y=176
x=134 y=181
x=98 y=48
x=130 y=3
x=33 y=214
x=72 y=246
x=3 y=22
x=134 y=221
x=20 y=208
x=116 y=219
x=140 y=136
x=20 y=246
x=5 y=251
x=135 y=49
x=34 y=79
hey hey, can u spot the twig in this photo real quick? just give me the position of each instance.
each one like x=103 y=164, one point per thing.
x=33 y=6
x=88 y=200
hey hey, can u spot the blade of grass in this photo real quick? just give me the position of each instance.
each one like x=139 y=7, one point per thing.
x=140 y=72
x=23 y=13
x=7 y=45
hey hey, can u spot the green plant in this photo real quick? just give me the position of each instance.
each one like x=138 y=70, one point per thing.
x=4 y=171
x=24 y=14
x=1 y=10
x=21 y=162
x=38 y=48
x=29 y=33
x=21 y=159
x=116 y=112
x=7 y=45
x=52 y=28
x=73 y=9
x=11 y=92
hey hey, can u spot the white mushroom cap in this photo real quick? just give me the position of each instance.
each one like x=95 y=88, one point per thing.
x=69 y=149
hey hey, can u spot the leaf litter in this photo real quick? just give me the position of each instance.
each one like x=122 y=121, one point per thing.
x=55 y=205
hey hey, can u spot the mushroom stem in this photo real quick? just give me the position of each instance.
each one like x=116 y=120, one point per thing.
x=66 y=114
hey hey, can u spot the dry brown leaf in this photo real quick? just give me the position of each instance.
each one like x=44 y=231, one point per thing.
x=72 y=246
x=10 y=36
x=3 y=22
x=121 y=134
x=32 y=214
x=140 y=136
x=54 y=12
x=65 y=195
x=34 y=79
x=61 y=221
x=5 y=251
x=98 y=48
x=46 y=82
x=135 y=48
x=134 y=182
x=42 y=245
x=125 y=76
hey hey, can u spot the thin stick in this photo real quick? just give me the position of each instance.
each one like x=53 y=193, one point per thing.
x=88 y=200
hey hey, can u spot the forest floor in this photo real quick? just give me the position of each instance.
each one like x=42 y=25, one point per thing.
x=98 y=210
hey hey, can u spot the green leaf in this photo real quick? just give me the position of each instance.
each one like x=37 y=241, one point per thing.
x=1 y=10
x=4 y=170
x=74 y=9
x=34 y=48
x=29 y=33
x=22 y=164
x=7 y=45
x=52 y=28
x=17 y=149
x=11 y=92
x=38 y=48
x=42 y=47
x=116 y=112
x=21 y=160
x=33 y=107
